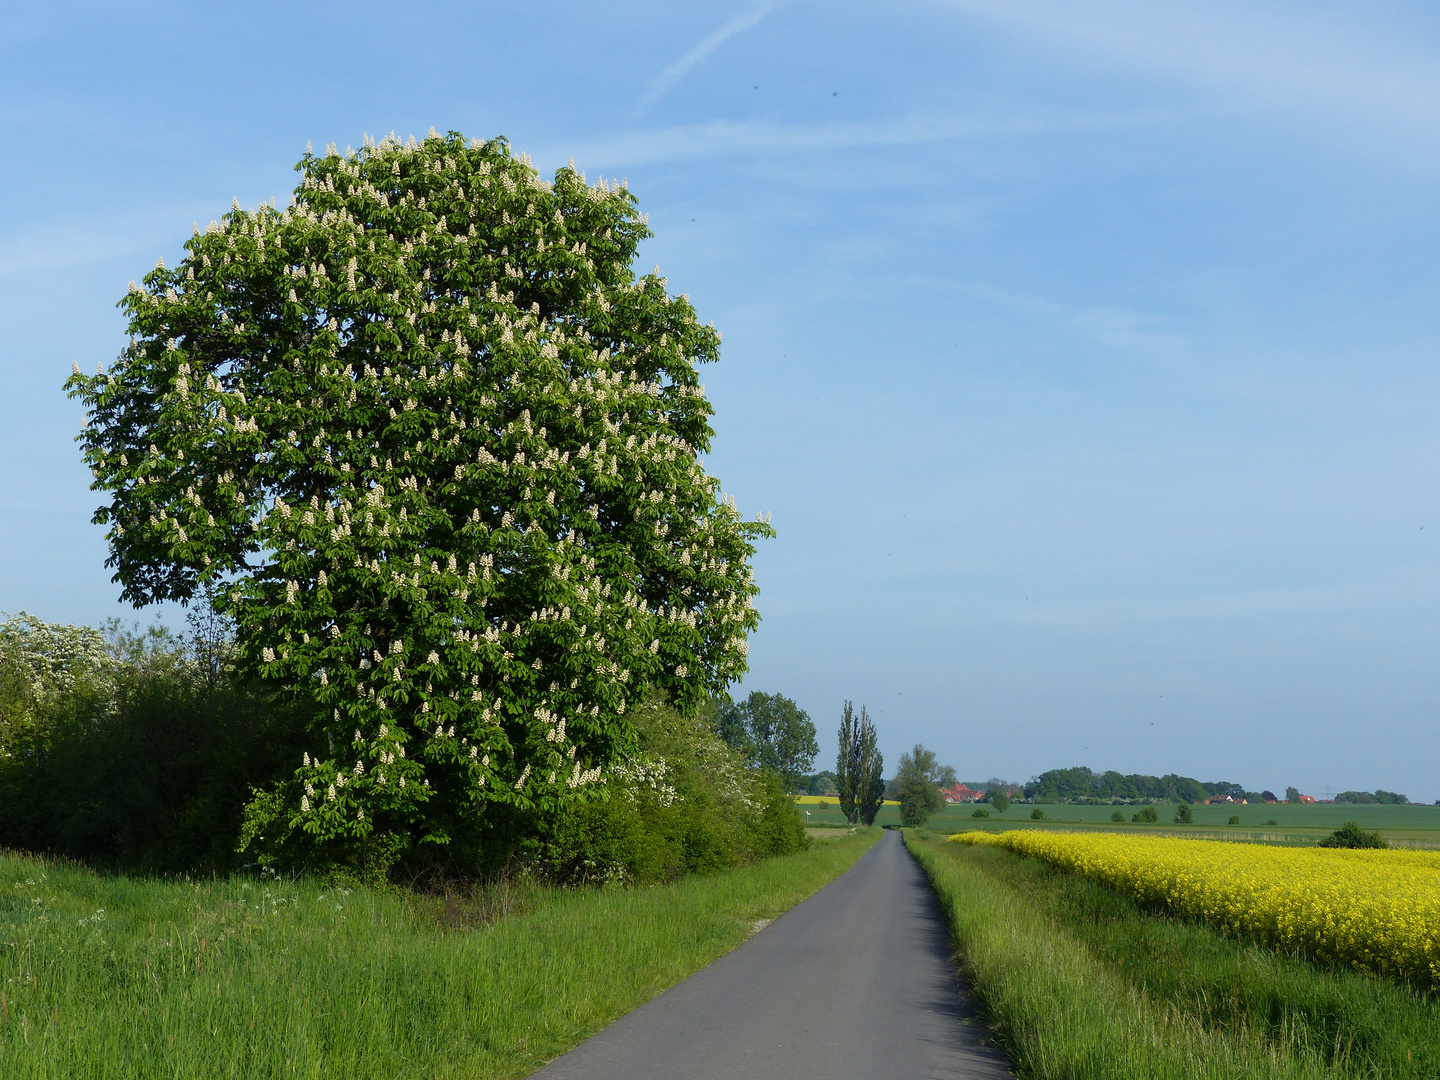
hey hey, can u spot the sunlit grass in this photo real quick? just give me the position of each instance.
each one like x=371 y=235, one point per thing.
x=117 y=977
x=1081 y=984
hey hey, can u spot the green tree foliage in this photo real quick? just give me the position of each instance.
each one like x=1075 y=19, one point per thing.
x=1351 y=835
x=438 y=446
x=1037 y=814
x=824 y=782
x=772 y=732
x=684 y=802
x=918 y=783
x=870 y=790
x=1387 y=798
x=1146 y=815
x=1292 y=795
x=859 y=768
x=136 y=750
x=1184 y=814
x=847 y=768
x=999 y=801
x=143 y=754
x=1080 y=784
x=1117 y=816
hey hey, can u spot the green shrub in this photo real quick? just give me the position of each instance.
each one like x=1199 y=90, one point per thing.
x=999 y=801
x=1234 y=819
x=977 y=812
x=145 y=753
x=1118 y=815
x=1272 y=821
x=1037 y=814
x=1351 y=835
x=1184 y=814
x=1146 y=815
x=684 y=804
x=142 y=758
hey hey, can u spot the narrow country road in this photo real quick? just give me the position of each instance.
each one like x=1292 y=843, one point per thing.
x=854 y=983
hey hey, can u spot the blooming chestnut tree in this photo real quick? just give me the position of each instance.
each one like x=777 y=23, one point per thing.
x=437 y=446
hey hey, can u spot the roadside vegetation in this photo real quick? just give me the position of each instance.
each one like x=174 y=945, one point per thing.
x=109 y=976
x=143 y=753
x=1082 y=982
x=1373 y=910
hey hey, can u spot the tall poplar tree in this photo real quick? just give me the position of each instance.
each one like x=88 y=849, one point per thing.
x=847 y=763
x=860 y=768
x=437 y=446
x=870 y=773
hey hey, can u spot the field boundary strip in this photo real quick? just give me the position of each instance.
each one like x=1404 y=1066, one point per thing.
x=1374 y=910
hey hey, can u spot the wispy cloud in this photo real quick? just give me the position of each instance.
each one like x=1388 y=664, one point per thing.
x=1334 y=64
x=50 y=245
x=668 y=79
x=1107 y=325
x=727 y=138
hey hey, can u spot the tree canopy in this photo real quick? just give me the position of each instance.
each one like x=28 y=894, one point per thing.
x=438 y=447
x=859 y=767
x=918 y=786
x=773 y=733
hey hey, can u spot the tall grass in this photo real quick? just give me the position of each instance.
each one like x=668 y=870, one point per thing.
x=117 y=977
x=1067 y=1012
x=1366 y=1024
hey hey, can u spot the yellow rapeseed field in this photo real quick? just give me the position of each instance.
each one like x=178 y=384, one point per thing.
x=1375 y=910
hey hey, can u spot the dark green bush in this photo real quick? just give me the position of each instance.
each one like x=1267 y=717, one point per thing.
x=685 y=804
x=1234 y=819
x=1037 y=814
x=143 y=758
x=1184 y=814
x=1146 y=815
x=1351 y=835
x=1118 y=815
x=142 y=752
x=977 y=812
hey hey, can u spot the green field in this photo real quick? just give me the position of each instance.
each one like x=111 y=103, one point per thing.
x=1082 y=983
x=1407 y=826
x=115 y=977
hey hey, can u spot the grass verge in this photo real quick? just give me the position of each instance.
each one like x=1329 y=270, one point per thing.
x=1080 y=983
x=109 y=977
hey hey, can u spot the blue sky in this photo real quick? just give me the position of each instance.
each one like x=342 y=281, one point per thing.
x=1084 y=353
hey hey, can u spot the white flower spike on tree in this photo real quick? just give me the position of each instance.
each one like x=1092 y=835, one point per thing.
x=438 y=445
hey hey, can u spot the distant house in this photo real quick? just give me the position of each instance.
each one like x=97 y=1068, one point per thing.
x=1307 y=798
x=961 y=793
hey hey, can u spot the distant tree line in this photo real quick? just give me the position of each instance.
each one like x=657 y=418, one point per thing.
x=1379 y=795
x=1081 y=783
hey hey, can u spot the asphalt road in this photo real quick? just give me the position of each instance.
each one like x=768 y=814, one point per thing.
x=854 y=983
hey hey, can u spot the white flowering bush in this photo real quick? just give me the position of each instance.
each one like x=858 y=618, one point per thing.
x=48 y=659
x=437 y=445
x=683 y=803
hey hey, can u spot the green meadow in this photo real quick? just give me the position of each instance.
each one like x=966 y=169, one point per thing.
x=119 y=978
